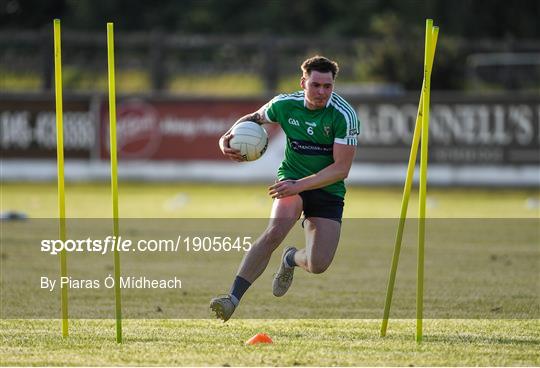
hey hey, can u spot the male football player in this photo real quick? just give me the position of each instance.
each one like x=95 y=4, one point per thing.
x=321 y=130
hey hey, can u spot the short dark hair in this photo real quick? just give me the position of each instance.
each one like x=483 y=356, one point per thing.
x=320 y=64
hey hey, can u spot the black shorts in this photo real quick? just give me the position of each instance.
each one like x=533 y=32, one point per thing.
x=320 y=203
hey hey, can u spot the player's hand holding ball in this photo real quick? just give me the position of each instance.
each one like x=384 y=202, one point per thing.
x=231 y=153
x=247 y=141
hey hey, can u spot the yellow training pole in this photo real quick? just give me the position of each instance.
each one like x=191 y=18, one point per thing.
x=60 y=168
x=423 y=182
x=405 y=199
x=114 y=176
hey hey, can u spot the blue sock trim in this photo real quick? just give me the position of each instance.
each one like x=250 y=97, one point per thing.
x=234 y=300
x=239 y=287
x=289 y=258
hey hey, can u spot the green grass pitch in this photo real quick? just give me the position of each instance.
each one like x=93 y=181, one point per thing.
x=328 y=338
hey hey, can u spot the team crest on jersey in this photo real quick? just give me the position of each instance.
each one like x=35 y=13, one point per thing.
x=327 y=130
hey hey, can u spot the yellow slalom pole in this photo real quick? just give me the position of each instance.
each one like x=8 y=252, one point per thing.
x=423 y=183
x=60 y=168
x=114 y=176
x=405 y=198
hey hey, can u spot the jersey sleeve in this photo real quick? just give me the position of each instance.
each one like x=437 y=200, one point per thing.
x=272 y=110
x=347 y=127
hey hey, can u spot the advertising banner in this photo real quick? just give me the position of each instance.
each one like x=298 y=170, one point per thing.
x=463 y=130
x=500 y=130
x=155 y=129
x=28 y=127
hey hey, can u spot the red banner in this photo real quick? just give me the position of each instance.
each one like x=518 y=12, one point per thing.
x=172 y=129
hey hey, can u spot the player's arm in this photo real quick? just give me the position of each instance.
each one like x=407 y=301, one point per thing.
x=258 y=117
x=339 y=170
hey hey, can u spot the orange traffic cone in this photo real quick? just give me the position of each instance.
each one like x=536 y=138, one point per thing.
x=260 y=338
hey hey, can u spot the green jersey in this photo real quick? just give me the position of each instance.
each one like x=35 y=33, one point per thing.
x=311 y=134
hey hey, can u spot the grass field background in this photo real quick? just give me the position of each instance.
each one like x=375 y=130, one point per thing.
x=179 y=200
x=496 y=262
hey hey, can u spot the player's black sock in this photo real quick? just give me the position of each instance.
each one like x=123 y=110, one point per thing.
x=239 y=287
x=289 y=258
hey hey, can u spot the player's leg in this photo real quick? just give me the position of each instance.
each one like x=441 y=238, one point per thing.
x=322 y=226
x=322 y=238
x=285 y=213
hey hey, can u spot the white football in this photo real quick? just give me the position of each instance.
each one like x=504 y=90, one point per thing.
x=250 y=139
